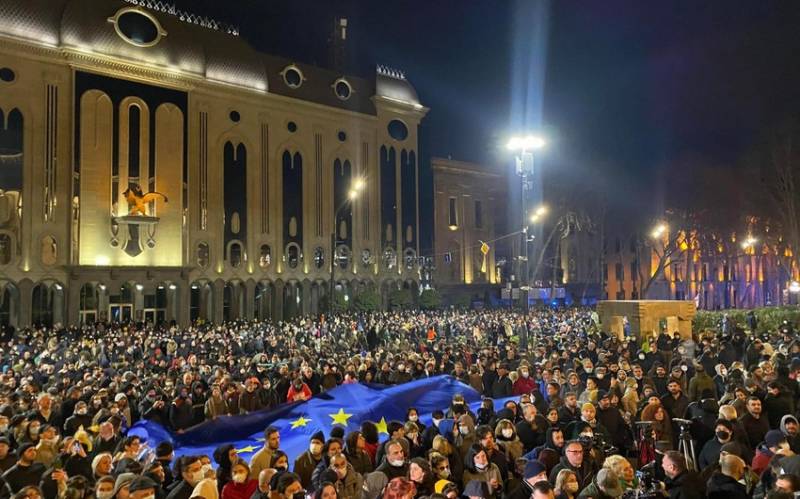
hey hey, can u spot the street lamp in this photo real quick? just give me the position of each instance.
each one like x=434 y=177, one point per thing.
x=356 y=188
x=749 y=242
x=658 y=231
x=523 y=146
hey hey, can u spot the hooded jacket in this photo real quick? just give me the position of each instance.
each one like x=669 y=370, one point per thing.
x=794 y=440
x=222 y=457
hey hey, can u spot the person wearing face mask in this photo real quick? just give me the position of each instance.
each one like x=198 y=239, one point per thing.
x=190 y=469
x=305 y=464
x=241 y=486
x=348 y=482
x=32 y=432
x=412 y=415
x=524 y=383
x=225 y=455
x=774 y=443
x=394 y=464
x=723 y=434
x=506 y=436
x=104 y=488
x=478 y=467
x=80 y=417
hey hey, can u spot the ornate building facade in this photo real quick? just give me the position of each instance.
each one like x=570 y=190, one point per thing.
x=154 y=166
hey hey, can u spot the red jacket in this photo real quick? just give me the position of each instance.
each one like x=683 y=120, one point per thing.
x=761 y=460
x=294 y=395
x=233 y=490
x=523 y=385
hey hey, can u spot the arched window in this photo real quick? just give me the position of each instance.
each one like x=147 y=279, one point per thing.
x=203 y=255
x=49 y=250
x=265 y=256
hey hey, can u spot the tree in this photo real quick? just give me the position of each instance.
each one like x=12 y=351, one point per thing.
x=430 y=299
x=400 y=298
x=367 y=301
x=668 y=243
x=782 y=181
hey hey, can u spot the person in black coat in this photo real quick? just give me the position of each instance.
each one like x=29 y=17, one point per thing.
x=26 y=471
x=681 y=483
x=755 y=424
x=724 y=484
x=502 y=386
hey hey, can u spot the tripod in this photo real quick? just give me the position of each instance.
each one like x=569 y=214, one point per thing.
x=686 y=447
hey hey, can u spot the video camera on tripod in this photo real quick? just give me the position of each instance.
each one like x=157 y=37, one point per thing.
x=685 y=442
x=649 y=487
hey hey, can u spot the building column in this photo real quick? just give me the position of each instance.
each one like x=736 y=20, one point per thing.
x=219 y=301
x=250 y=299
x=278 y=311
x=25 y=303
x=73 y=301
x=306 y=299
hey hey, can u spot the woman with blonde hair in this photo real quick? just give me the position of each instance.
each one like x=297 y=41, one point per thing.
x=624 y=470
x=506 y=434
x=630 y=399
x=566 y=484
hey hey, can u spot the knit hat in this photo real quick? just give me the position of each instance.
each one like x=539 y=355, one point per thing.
x=533 y=468
x=587 y=405
x=23 y=447
x=318 y=436
x=123 y=480
x=774 y=438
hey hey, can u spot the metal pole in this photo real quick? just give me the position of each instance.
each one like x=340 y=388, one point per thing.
x=333 y=268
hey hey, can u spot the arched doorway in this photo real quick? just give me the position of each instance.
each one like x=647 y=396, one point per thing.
x=201 y=301
x=47 y=304
x=9 y=305
x=233 y=301
x=292 y=300
x=264 y=301
x=160 y=303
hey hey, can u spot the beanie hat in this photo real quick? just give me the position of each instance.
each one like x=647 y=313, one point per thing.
x=318 y=436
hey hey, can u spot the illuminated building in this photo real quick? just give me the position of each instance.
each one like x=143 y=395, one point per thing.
x=718 y=272
x=249 y=153
x=468 y=202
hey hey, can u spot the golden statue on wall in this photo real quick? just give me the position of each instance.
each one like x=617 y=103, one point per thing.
x=137 y=200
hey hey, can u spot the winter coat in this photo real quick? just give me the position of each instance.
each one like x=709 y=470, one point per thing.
x=687 y=485
x=700 y=382
x=350 y=487
x=304 y=468
x=721 y=486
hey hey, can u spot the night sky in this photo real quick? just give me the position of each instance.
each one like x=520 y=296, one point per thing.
x=634 y=94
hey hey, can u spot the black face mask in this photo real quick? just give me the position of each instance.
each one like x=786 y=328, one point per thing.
x=723 y=435
x=299 y=495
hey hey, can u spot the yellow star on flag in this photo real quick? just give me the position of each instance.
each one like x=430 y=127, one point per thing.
x=382 y=427
x=340 y=417
x=249 y=448
x=301 y=421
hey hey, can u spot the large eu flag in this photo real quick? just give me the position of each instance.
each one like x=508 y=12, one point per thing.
x=347 y=406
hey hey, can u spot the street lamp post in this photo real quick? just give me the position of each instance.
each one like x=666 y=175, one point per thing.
x=352 y=194
x=524 y=147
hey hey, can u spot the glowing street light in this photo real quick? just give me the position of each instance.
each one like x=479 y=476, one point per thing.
x=538 y=214
x=526 y=143
x=356 y=187
x=658 y=231
x=749 y=242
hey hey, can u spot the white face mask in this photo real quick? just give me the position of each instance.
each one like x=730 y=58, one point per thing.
x=3 y=427
x=105 y=495
x=396 y=463
x=525 y=374
x=413 y=418
x=315 y=448
x=240 y=477
x=481 y=467
x=151 y=496
x=508 y=432
x=463 y=430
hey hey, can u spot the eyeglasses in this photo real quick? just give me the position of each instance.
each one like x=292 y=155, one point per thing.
x=575 y=451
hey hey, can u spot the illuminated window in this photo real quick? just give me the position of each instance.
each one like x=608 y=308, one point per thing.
x=49 y=250
x=235 y=255
x=203 y=255
x=265 y=256
x=452 y=214
x=319 y=257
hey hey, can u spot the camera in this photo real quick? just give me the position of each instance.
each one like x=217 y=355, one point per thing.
x=598 y=442
x=649 y=487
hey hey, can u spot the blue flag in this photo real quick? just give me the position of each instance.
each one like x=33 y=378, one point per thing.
x=346 y=406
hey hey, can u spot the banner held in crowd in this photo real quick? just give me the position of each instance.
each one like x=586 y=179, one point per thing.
x=346 y=406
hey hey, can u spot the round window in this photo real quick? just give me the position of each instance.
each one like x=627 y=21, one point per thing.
x=342 y=89
x=137 y=27
x=397 y=130
x=7 y=75
x=342 y=136
x=291 y=126
x=235 y=116
x=293 y=77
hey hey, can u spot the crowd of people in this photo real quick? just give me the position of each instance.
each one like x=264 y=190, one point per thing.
x=592 y=416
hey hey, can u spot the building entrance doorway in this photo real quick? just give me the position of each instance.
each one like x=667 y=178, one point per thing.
x=120 y=312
